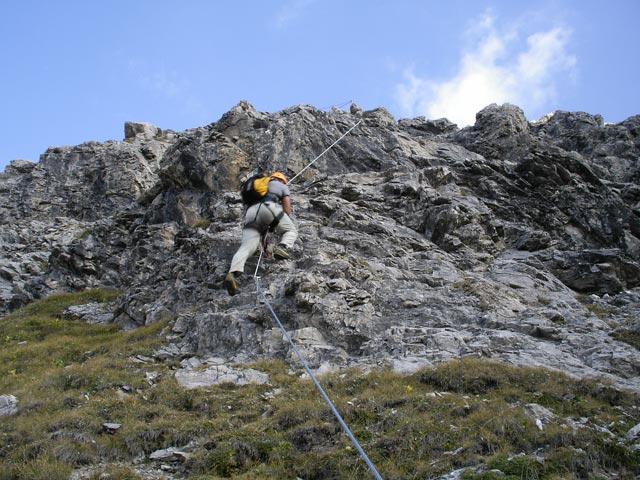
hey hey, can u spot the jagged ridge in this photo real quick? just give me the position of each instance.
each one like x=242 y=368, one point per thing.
x=419 y=241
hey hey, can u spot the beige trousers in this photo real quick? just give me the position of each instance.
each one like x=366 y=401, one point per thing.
x=256 y=220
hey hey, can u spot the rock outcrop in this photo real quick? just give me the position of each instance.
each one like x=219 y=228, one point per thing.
x=419 y=241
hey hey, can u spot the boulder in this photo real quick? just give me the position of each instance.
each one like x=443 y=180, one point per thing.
x=142 y=130
x=8 y=405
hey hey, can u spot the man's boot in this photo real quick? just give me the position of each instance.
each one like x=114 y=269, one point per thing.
x=231 y=282
x=280 y=252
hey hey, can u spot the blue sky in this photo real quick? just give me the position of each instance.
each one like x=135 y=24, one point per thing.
x=74 y=71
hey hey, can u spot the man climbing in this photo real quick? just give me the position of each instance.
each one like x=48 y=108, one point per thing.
x=271 y=212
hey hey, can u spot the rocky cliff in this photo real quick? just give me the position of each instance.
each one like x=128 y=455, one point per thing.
x=419 y=241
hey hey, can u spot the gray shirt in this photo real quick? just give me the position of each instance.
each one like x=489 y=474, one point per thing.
x=278 y=189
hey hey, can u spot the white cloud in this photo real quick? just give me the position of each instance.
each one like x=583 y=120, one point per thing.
x=167 y=85
x=290 y=12
x=158 y=80
x=498 y=68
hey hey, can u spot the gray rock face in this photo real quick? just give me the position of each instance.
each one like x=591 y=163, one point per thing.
x=84 y=182
x=419 y=242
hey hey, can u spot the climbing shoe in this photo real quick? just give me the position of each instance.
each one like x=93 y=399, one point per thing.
x=280 y=252
x=230 y=283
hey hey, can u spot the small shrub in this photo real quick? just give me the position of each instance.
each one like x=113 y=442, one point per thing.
x=116 y=472
x=630 y=337
x=42 y=468
x=544 y=300
x=468 y=376
x=599 y=311
x=202 y=223
x=218 y=461
x=522 y=466
x=145 y=440
x=84 y=233
x=74 y=453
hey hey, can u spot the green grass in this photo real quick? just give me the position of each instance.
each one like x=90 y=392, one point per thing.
x=601 y=311
x=202 y=223
x=71 y=378
x=630 y=337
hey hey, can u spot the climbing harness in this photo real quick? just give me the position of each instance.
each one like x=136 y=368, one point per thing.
x=335 y=412
x=325 y=151
x=274 y=223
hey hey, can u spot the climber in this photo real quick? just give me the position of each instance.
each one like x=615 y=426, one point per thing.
x=272 y=213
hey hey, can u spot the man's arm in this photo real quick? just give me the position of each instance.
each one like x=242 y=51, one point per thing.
x=286 y=204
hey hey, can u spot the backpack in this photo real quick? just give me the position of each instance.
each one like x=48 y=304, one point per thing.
x=254 y=188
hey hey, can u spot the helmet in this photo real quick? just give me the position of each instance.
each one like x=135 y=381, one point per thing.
x=279 y=176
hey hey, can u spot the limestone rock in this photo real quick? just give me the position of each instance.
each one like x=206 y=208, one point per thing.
x=500 y=132
x=141 y=130
x=8 y=405
x=634 y=433
x=111 y=427
x=170 y=454
x=422 y=126
x=219 y=373
x=91 y=312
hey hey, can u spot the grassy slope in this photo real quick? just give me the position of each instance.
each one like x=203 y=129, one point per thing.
x=71 y=378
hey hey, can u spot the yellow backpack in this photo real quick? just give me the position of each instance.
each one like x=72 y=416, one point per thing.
x=254 y=188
